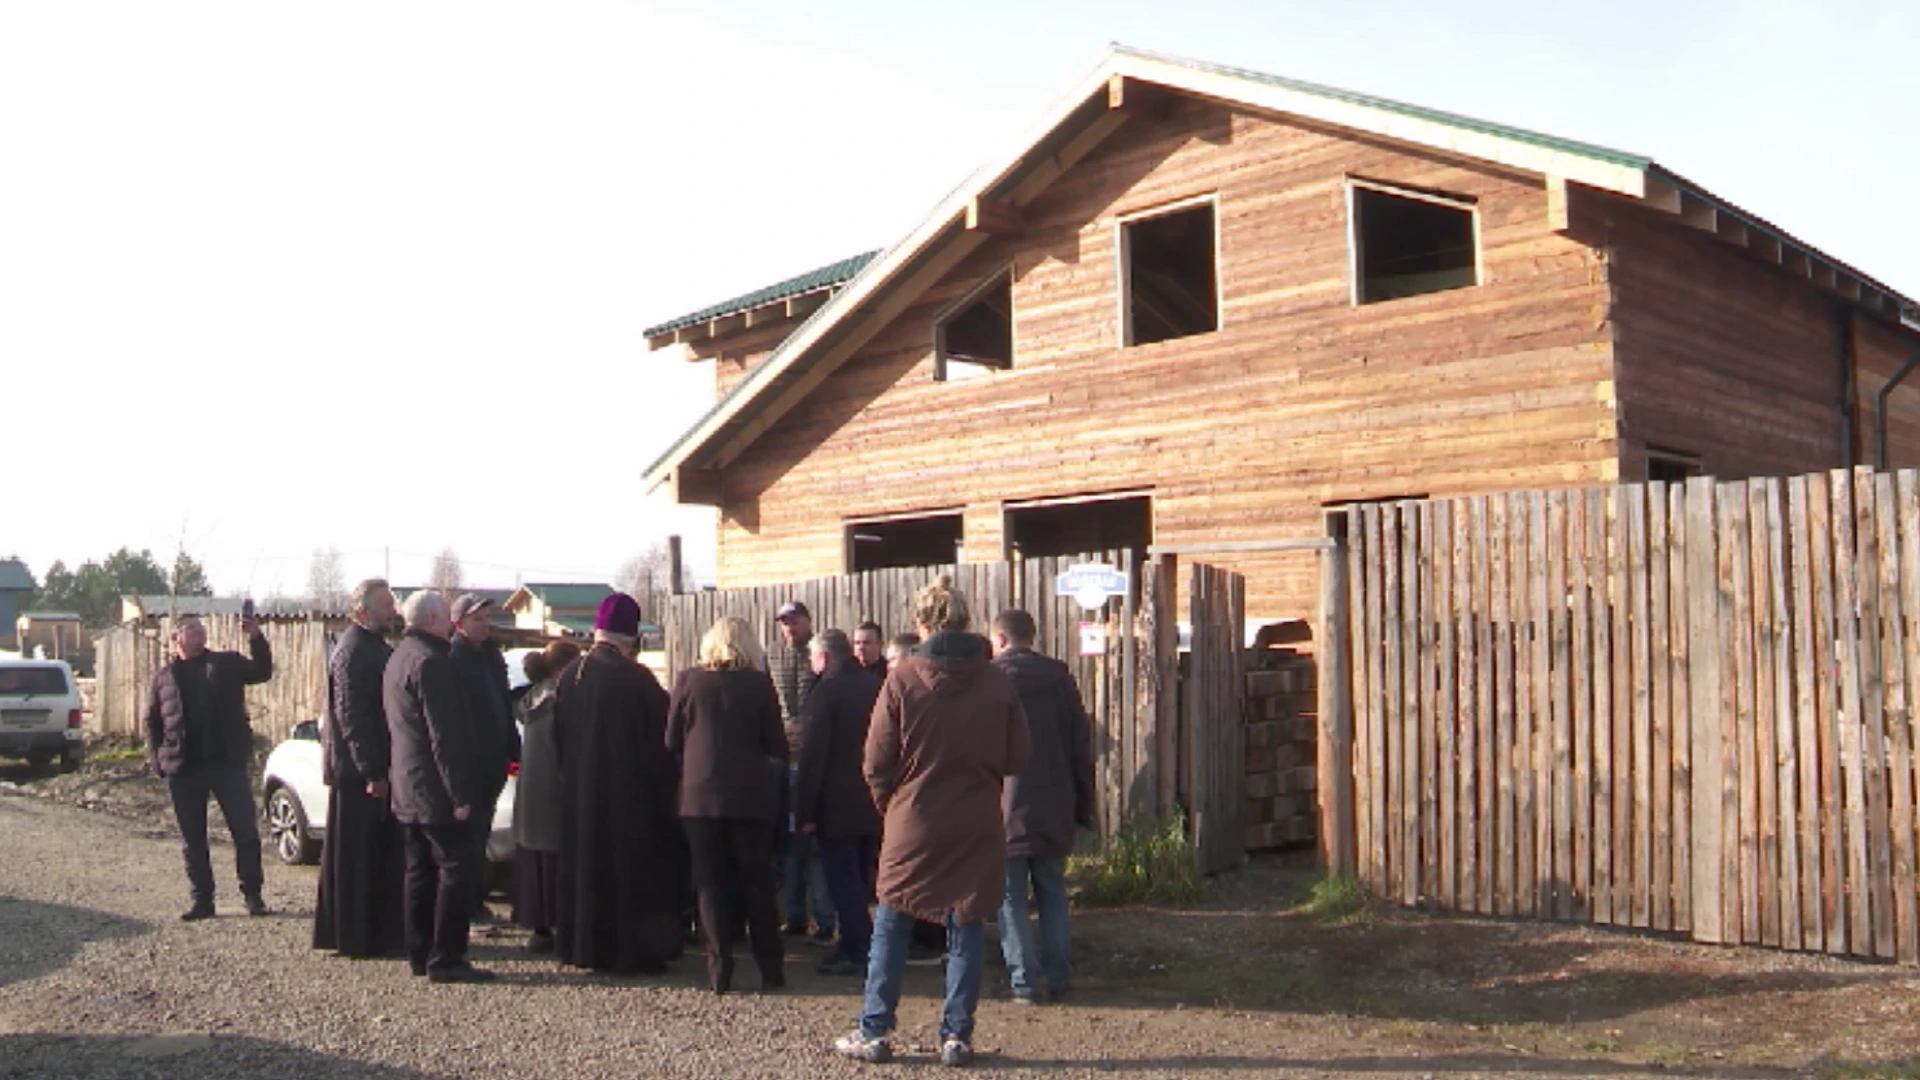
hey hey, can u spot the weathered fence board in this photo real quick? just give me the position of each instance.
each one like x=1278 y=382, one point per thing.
x=1682 y=707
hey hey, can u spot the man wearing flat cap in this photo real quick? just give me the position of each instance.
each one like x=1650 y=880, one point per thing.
x=483 y=673
x=619 y=902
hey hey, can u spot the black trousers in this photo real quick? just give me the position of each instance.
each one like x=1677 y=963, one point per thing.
x=228 y=785
x=481 y=821
x=439 y=892
x=727 y=851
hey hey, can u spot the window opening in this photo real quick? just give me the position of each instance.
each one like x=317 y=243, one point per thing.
x=930 y=540
x=1076 y=528
x=1407 y=245
x=1170 y=281
x=977 y=336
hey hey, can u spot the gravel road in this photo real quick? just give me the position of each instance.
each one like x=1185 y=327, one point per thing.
x=98 y=979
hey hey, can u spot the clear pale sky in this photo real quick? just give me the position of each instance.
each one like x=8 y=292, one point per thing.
x=372 y=273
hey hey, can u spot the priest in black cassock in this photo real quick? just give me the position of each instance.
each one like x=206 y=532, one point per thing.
x=619 y=887
x=359 y=911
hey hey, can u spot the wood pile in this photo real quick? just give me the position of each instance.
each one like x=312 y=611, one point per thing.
x=1282 y=726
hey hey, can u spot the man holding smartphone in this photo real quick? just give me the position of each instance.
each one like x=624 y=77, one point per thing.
x=200 y=740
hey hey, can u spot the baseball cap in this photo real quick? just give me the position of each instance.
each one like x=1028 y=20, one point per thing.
x=792 y=609
x=468 y=604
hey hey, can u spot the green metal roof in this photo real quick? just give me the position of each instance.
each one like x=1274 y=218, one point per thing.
x=814 y=280
x=1419 y=112
x=570 y=596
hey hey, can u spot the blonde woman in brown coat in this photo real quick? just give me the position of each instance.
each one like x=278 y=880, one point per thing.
x=947 y=731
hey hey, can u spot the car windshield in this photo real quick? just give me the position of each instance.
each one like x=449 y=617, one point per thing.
x=32 y=680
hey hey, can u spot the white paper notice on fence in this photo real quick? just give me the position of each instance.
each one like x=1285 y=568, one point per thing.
x=1093 y=639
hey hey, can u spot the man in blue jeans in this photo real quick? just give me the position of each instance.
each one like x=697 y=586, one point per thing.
x=1043 y=805
x=200 y=740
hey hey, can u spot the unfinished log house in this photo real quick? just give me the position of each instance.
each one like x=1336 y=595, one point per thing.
x=1204 y=305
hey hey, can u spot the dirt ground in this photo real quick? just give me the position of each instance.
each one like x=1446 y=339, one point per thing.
x=97 y=979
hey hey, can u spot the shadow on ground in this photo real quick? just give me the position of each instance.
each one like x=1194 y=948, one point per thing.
x=97 y=1057
x=41 y=938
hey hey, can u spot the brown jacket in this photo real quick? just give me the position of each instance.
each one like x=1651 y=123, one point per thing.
x=947 y=730
x=725 y=725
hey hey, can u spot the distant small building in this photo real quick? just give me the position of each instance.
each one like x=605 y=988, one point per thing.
x=16 y=584
x=557 y=607
x=58 y=635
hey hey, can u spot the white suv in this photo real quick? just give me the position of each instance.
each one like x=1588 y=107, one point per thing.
x=297 y=799
x=40 y=713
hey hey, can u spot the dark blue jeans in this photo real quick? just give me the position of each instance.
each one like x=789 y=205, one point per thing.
x=849 y=863
x=887 y=967
x=1026 y=966
x=228 y=785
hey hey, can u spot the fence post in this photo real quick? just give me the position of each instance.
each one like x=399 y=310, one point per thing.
x=1335 y=743
x=1703 y=706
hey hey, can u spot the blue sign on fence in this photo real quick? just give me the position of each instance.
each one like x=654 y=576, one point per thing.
x=1090 y=584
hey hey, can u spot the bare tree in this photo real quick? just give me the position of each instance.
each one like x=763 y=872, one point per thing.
x=326 y=581
x=446 y=575
x=648 y=578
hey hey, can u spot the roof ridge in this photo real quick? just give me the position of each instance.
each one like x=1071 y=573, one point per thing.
x=1423 y=112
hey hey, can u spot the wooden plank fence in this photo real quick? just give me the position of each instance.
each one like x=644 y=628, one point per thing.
x=1161 y=737
x=128 y=655
x=1683 y=708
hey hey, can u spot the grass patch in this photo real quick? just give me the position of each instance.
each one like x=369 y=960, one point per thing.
x=1160 y=867
x=118 y=753
x=1336 y=900
x=1668 y=1054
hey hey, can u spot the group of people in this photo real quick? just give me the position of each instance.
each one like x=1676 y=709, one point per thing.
x=418 y=741
x=919 y=787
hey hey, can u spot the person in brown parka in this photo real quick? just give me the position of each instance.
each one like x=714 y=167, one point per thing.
x=947 y=730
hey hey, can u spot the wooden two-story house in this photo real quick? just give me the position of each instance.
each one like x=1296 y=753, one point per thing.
x=1202 y=305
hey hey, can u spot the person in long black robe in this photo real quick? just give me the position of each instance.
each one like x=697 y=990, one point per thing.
x=359 y=911
x=619 y=872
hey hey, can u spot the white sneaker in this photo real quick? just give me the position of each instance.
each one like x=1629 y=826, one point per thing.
x=955 y=1052
x=860 y=1048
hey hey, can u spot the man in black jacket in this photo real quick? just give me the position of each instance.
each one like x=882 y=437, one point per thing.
x=483 y=672
x=435 y=785
x=1043 y=805
x=200 y=740
x=831 y=801
x=358 y=911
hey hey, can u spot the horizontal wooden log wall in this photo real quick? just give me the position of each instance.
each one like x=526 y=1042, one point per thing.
x=1678 y=708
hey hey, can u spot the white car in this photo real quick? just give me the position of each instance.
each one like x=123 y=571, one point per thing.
x=296 y=800
x=40 y=713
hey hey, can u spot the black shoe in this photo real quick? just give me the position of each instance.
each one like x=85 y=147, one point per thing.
x=257 y=906
x=840 y=965
x=484 y=916
x=794 y=929
x=540 y=942
x=775 y=981
x=824 y=937
x=201 y=909
x=459 y=973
